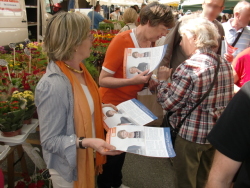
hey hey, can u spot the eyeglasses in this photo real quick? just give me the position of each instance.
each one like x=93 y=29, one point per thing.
x=215 y=7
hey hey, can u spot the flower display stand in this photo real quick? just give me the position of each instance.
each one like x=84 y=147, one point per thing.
x=15 y=143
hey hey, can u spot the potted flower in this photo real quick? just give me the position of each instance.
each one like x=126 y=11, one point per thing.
x=30 y=109
x=12 y=112
x=36 y=181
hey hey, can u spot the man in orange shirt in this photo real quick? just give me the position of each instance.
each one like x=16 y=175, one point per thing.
x=155 y=20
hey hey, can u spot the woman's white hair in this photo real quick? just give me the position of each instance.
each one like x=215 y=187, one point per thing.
x=204 y=31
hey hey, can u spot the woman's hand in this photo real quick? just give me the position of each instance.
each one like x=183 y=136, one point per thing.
x=110 y=105
x=100 y=146
x=141 y=78
x=164 y=73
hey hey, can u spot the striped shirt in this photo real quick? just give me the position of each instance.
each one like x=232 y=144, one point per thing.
x=231 y=34
x=190 y=82
x=54 y=101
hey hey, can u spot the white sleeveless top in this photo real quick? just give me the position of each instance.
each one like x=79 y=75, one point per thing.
x=91 y=107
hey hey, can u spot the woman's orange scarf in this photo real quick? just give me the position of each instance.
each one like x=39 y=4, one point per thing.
x=83 y=126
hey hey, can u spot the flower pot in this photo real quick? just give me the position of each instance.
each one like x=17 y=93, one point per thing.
x=27 y=121
x=12 y=133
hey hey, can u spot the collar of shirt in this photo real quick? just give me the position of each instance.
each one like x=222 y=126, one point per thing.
x=204 y=51
x=52 y=68
x=230 y=27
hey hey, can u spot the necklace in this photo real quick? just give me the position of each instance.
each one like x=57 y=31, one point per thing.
x=138 y=40
x=74 y=70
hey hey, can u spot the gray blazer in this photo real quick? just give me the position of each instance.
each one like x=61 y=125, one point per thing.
x=54 y=101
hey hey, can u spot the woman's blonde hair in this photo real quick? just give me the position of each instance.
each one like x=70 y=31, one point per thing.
x=203 y=30
x=130 y=15
x=64 y=32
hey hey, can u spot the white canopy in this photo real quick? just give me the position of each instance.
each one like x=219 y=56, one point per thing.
x=197 y=4
x=116 y=2
x=173 y=3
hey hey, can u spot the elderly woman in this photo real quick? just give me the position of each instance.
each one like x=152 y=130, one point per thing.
x=190 y=81
x=155 y=20
x=130 y=17
x=69 y=106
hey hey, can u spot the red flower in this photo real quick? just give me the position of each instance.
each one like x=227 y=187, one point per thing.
x=14 y=107
x=41 y=171
x=40 y=183
x=5 y=81
x=26 y=86
x=20 y=184
x=36 y=71
x=26 y=74
x=13 y=89
x=4 y=68
x=27 y=179
x=32 y=185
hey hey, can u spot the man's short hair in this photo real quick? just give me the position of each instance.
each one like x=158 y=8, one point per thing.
x=241 y=5
x=97 y=6
x=222 y=1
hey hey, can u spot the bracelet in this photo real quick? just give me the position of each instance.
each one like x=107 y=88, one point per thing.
x=80 y=143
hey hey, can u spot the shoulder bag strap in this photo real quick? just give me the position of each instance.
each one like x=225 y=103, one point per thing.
x=203 y=97
x=237 y=38
x=128 y=27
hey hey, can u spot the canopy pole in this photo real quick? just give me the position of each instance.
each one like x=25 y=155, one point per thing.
x=109 y=13
x=93 y=15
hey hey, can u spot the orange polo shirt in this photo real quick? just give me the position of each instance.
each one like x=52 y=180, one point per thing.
x=113 y=63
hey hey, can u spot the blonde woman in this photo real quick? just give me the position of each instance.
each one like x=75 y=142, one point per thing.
x=69 y=106
x=130 y=17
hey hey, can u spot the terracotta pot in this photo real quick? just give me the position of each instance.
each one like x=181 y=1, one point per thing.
x=27 y=121
x=12 y=133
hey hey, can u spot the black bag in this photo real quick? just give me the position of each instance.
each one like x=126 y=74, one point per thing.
x=174 y=131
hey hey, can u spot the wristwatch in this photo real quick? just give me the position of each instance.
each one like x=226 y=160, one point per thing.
x=80 y=143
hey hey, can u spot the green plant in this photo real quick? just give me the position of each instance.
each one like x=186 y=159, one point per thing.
x=12 y=113
x=36 y=181
x=91 y=67
x=28 y=96
x=109 y=26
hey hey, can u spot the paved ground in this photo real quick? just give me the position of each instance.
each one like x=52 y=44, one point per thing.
x=138 y=171
x=147 y=172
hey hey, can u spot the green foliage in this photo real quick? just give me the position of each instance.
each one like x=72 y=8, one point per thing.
x=109 y=26
x=91 y=67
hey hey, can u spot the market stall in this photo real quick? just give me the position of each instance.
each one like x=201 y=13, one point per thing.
x=173 y=3
x=195 y=5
